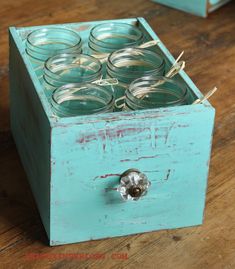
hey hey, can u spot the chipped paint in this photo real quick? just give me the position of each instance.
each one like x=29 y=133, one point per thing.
x=139 y=158
x=168 y=174
x=107 y=176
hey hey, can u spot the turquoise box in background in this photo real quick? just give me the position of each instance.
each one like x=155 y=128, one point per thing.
x=198 y=7
x=74 y=164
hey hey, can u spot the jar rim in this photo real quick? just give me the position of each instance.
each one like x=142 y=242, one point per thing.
x=137 y=51
x=144 y=104
x=49 y=61
x=65 y=90
x=115 y=24
x=52 y=29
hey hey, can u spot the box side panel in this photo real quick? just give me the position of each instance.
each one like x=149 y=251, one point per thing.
x=31 y=131
x=173 y=151
x=195 y=7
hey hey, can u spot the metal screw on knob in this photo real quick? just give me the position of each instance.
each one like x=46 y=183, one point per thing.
x=135 y=191
x=133 y=185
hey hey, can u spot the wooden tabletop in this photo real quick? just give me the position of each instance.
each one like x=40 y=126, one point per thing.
x=209 y=46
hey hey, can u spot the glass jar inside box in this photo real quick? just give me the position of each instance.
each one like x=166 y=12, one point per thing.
x=154 y=92
x=62 y=69
x=109 y=37
x=129 y=64
x=78 y=99
x=47 y=42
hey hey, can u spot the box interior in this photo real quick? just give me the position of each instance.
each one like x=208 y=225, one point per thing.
x=84 y=30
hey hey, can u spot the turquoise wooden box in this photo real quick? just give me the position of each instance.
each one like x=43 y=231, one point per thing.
x=198 y=7
x=73 y=163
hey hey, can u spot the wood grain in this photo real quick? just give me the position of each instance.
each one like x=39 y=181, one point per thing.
x=209 y=46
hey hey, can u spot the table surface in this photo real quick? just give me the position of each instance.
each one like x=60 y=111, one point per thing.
x=209 y=46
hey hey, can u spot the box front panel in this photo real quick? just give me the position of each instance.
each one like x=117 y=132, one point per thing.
x=88 y=159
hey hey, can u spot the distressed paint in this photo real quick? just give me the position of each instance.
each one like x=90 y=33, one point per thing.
x=197 y=7
x=85 y=170
x=73 y=164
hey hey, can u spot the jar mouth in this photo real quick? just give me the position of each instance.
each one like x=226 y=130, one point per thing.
x=155 y=91
x=135 y=62
x=65 y=39
x=106 y=34
x=76 y=99
x=72 y=67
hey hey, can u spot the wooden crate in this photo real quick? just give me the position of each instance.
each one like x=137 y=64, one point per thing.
x=198 y=7
x=72 y=162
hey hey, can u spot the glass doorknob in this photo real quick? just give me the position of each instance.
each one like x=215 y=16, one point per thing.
x=133 y=185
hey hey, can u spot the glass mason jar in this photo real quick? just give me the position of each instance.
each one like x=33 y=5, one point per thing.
x=47 y=42
x=76 y=99
x=109 y=37
x=62 y=69
x=129 y=64
x=154 y=92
